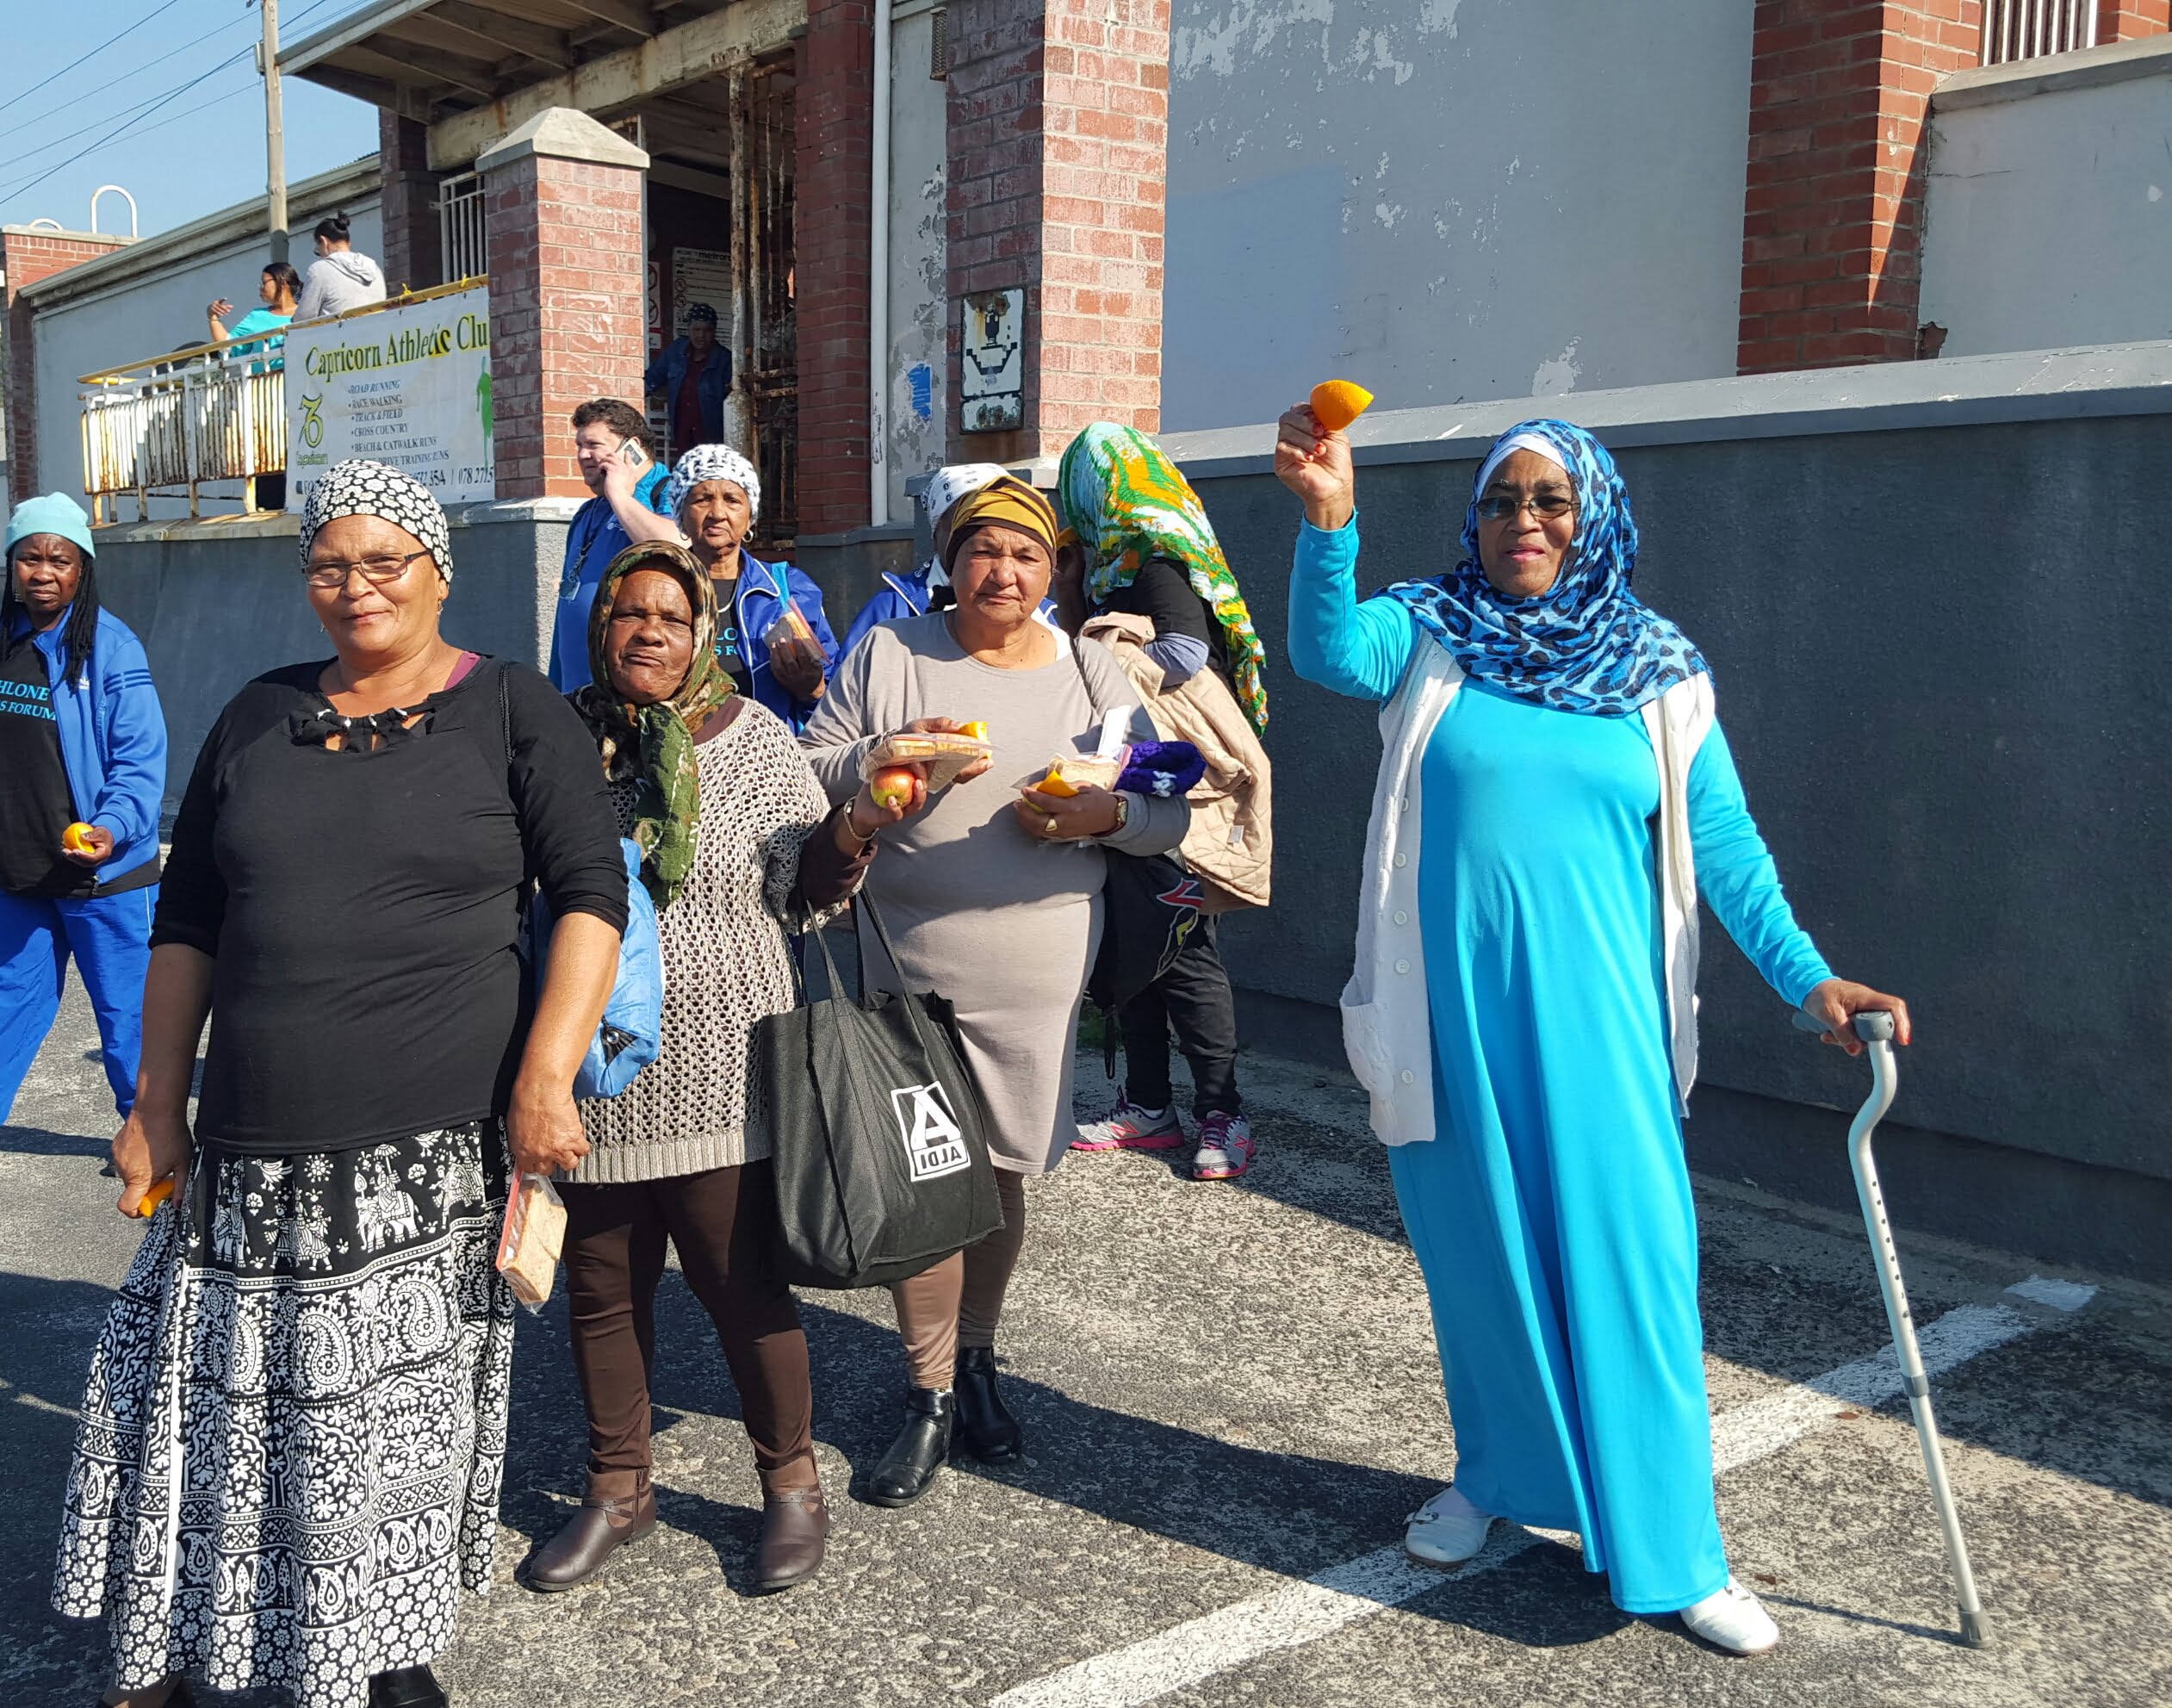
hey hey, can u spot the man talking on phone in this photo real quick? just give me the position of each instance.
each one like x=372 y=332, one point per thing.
x=616 y=455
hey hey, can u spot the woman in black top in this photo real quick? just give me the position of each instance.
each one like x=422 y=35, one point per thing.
x=290 y=1448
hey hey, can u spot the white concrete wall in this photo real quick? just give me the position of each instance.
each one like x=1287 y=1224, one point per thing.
x=152 y=311
x=1449 y=199
x=919 y=288
x=2048 y=217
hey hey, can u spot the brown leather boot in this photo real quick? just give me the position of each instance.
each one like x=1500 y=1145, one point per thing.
x=621 y=1508
x=795 y=1535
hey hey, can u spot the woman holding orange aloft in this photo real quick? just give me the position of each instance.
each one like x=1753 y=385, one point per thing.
x=1554 y=798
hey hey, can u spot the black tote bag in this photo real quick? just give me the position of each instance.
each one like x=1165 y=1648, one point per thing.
x=880 y=1136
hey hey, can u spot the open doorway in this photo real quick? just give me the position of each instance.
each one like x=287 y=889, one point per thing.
x=720 y=235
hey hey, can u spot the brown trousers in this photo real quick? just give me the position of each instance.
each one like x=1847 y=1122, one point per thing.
x=720 y=1222
x=959 y=1301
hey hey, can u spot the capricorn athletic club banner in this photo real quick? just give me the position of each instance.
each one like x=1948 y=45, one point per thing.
x=407 y=385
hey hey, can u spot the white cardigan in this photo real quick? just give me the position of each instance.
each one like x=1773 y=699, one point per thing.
x=1386 y=1021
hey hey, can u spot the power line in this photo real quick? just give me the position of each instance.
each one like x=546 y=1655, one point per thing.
x=133 y=117
x=43 y=81
x=111 y=83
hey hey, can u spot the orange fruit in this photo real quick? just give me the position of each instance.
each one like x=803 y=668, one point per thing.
x=76 y=839
x=1053 y=784
x=976 y=729
x=1337 y=403
x=155 y=1194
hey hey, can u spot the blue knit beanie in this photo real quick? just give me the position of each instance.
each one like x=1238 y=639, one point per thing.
x=55 y=513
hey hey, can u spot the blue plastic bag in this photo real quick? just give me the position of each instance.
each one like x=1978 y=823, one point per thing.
x=632 y=1031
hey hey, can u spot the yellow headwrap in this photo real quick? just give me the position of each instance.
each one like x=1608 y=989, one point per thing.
x=1009 y=503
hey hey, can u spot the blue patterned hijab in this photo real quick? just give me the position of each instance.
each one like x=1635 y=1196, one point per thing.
x=1585 y=644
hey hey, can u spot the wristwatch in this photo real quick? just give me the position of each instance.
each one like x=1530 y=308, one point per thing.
x=1123 y=812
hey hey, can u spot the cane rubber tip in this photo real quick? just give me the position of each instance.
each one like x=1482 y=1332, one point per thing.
x=1976 y=1629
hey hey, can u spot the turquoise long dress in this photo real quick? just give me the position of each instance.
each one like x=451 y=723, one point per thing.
x=1551 y=1213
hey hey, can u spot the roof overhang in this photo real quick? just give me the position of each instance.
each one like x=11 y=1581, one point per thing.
x=473 y=70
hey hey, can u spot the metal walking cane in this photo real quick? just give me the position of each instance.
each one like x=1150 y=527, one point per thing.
x=1876 y=1030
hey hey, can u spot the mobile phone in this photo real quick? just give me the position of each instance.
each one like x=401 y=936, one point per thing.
x=631 y=454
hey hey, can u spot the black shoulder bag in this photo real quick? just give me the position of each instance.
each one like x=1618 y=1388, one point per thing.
x=878 y=1133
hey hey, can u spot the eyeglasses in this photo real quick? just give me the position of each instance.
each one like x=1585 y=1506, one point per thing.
x=1546 y=506
x=377 y=571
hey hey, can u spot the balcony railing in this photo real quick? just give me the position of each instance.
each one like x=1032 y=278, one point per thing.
x=2029 y=29
x=173 y=423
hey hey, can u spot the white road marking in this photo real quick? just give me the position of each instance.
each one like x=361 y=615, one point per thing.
x=2060 y=1295
x=1289 y=1619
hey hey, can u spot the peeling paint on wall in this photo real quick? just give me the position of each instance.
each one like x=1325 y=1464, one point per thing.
x=1558 y=378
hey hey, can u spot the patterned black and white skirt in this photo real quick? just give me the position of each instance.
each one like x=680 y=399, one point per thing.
x=291 y=1442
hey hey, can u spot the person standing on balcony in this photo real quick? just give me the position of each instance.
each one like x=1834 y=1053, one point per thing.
x=617 y=459
x=82 y=768
x=277 y=289
x=339 y=279
x=692 y=374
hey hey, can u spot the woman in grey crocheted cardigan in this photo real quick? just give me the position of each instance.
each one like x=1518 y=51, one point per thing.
x=740 y=843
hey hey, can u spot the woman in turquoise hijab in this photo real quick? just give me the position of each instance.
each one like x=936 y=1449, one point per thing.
x=1554 y=798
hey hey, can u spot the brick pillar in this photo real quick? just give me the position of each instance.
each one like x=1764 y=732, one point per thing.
x=833 y=145
x=1832 y=219
x=1058 y=139
x=414 y=256
x=29 y=254
x=563 y=197
x=2130 y=20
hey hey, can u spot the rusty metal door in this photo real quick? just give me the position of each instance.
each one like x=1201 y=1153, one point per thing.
x=764 y=336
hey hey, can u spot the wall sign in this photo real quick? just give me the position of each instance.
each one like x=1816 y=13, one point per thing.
x=406 y=385
x=992 y=369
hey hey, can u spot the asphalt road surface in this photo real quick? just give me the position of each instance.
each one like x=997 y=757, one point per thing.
x=1232 y=1400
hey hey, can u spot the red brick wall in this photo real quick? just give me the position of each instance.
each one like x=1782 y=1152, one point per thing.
x=565 y=310
x=834 y=119
x=414 y=246
x=2128 y=20
x=28 y=257
x=1059 y=135
x=1831 y=224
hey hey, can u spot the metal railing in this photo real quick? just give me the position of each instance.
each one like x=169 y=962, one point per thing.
x=2029 y=29
x=173 y=423
x=461 y=226
x=207 y=412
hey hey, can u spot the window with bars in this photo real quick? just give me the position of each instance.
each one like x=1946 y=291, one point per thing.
x=461 y=228
x=2029 y=29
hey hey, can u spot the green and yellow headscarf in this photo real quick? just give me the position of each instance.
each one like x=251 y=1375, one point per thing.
x=655 y=745
x=1127 y=504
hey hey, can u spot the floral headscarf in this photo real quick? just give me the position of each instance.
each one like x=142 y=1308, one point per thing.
x=361 y=488
x=1127 y=504
x=655 y=745
x=712 y=463
x=1587 y=643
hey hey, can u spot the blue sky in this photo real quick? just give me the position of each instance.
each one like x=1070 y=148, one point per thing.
x=199 y=151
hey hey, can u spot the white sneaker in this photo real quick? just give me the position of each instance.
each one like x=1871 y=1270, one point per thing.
x=1447 y=1530
x=1733 y=1620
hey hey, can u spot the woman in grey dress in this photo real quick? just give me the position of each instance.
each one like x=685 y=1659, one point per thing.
x=992 y=897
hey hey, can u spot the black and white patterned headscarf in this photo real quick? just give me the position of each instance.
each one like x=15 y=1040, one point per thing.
x=712 y=463
x=360 y=489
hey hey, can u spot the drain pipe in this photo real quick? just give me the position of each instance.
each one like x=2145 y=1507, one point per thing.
x=878 y=282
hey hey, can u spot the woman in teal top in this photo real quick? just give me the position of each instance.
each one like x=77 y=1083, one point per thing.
x=1550 y=1211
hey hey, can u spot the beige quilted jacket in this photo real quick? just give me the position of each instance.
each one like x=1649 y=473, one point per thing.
x=1231 y=846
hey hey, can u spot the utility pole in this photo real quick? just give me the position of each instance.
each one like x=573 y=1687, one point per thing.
x=274 y=128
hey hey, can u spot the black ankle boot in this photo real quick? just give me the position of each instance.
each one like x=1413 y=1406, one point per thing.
x=904 y=1471
x=985 y=1427
x=407 y=1687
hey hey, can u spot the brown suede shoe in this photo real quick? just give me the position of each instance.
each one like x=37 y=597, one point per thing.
x=795 y=1535
x=609 y=1520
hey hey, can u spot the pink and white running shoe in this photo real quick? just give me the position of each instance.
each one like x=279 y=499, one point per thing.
x=1129 y=1127
x=1225 y=1147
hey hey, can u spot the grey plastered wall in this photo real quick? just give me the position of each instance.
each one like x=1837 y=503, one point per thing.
x=1451 y=199
x=1934 y=605
x=219 y=602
